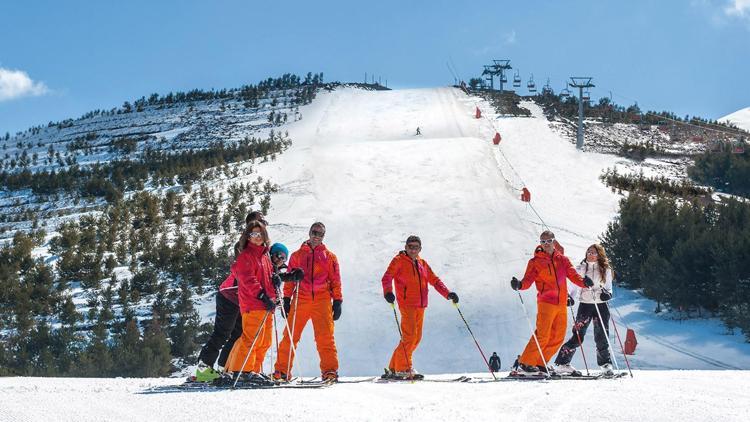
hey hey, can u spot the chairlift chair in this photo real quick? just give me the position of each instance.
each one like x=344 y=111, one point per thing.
x=517 y=80
x=531 y=85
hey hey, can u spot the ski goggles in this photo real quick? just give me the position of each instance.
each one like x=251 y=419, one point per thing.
x=317 y=233
x=547 y=241
x=255 y=235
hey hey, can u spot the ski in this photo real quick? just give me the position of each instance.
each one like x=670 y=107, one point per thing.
x=462 y=378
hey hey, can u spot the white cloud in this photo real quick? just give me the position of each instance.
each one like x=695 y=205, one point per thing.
x=17 y=84
x=740 y=8
x=510 y=38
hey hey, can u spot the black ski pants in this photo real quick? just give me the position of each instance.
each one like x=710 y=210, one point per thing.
x=227 y=329
x=586 y=315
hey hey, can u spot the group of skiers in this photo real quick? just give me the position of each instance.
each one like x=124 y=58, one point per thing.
x=247 y=299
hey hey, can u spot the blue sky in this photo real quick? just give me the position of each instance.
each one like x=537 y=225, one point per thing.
x=62 y=59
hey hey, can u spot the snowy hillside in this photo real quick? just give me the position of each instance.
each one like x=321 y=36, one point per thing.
x=741 y=118
x=357 y=166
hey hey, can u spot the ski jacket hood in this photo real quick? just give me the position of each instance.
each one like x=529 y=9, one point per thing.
x=322 y=274
x=549 y=272
x=411 y=278
x=253 y=270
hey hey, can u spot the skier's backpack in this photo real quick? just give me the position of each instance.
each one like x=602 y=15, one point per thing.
x=630 y=342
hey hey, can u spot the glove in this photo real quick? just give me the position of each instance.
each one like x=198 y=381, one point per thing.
x=287 y=305
x=453 y=296
x=276 y=280
x=605 y=296
x=515 y=284
x=390 y=297
x=336 y=310
x=267 y=301
x=297 y=274
x=571 y=302
x=587 y=281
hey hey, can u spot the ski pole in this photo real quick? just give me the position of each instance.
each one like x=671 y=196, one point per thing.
x=475 y=340
x=617 y=333
x=252 y=345
x=533 y=332
x=292 y=347
x=580 y=342
x=294 y=327
x=400 y=335
x=606 y=333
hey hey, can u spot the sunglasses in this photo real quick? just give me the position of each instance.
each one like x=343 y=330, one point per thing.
x=414 y=247
x=317 y=233
x=592 y=253
x=547 y=241
x=254 y=235
x=280 y=257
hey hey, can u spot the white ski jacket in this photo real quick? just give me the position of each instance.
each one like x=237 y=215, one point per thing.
x=592 y=295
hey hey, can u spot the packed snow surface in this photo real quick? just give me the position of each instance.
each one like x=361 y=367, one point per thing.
x=741 y=118
x=649 y=396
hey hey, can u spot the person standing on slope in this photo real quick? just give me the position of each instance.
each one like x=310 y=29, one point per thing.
x=318 y=298
x=257 y=298
x=494 y=362
x=227 y=322
x=411 y=275
x=595 y=266
x=548 y=269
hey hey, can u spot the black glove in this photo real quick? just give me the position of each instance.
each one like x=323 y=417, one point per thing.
x=453 y=296
x=287 y=305
x=605 y=296
x=297 y=274
x=270 y=304
x=587 y=281
x=276 y=280
x=571 y=302
x=515 y=283
x=336 y=310
x=390 y=297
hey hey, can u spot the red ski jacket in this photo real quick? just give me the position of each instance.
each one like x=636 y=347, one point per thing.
x=253 y=270
x=411 y=279
x=322 y=275
x=549 y=274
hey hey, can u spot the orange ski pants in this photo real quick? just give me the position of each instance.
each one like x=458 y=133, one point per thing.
x=551 y=325
x=251 y=321
x=411 y=334
x=320 y=311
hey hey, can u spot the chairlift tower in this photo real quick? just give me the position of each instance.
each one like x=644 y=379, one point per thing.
x=580 y=82
x=490 y=73
x=500 y=67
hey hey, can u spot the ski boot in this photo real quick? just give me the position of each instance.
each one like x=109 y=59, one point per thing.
x=329 y=376
x=607 y=371
x=566 y=370
x=279 y=376
x=205 y=373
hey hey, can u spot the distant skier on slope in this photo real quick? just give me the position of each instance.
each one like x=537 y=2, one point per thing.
x=411 y=275
x=419 y=132
x=595 y=266
x=494 y=362
x=548 y=269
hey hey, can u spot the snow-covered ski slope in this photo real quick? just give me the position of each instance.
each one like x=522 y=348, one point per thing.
x=357 y=165
x=741 y=118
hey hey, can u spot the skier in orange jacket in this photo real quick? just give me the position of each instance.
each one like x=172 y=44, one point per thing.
x=318 y=298
x=548 y=270
x=411 y=275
